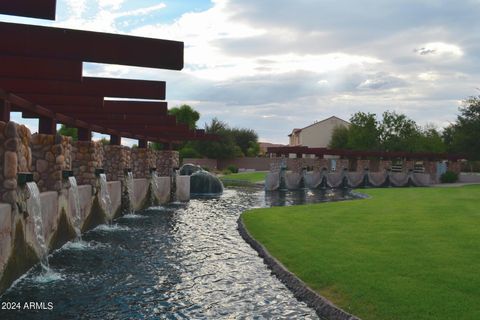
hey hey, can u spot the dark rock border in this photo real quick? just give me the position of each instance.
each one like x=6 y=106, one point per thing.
x=323 y=307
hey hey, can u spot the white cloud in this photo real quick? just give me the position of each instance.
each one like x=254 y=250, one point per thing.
x=440 y=49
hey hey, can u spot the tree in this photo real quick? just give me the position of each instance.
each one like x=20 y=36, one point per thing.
x=398 y=133
x=363 y=132
x=224 y=148
x=69 y=132
x=463 y=136
x=339 y=139
x=186 y=115
x=246 y=140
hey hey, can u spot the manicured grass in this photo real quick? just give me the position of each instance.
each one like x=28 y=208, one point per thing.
x=252 y=177
x=410 y=253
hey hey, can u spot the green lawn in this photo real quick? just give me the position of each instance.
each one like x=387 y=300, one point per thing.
x=252 y=177
x=409 y=253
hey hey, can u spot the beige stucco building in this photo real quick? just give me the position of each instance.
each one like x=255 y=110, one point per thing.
x=316 y=135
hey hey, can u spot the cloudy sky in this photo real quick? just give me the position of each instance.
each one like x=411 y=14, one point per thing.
x=275 y=65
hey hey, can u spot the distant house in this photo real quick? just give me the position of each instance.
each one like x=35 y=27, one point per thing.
x=265 y=145
x=316 y=135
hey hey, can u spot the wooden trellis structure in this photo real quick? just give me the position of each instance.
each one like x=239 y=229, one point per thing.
x=41 y=75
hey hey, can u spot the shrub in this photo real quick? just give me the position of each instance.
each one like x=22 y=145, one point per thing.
x=449 y=177
x=226 y=172
x=232 y=168
x=206 y=169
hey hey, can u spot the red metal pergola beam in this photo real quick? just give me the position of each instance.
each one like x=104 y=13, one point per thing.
x=87 y=46
x=40 y=68
x=56 y=100
x=140 y=108
x=365 y=154
x=41 y=9
x=90 y=86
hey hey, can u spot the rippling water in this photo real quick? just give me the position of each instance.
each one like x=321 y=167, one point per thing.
x=182 y=261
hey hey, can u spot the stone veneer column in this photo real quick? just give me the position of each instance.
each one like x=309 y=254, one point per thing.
x=454 y=166
x=320 y=164
x=296 y=164
x=408 y=165
x=116 y=160
x=51 y=154
x=342 y=164
x=15 y=156
x=166 y=160
x=276 y=163
x=431 y=169
x=86 y=157
x=362 y=165
x=384 y=165
x=142 y=160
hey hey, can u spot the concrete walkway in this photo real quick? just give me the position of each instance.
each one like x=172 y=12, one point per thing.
x=456 y=184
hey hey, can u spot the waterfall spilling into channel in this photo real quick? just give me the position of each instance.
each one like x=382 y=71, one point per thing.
x=34 y=208
x=105 y=195
x=155 y=186
x=130 y=191
x=77 y=218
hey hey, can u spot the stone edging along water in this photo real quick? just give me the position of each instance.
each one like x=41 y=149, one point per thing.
x=322 y=306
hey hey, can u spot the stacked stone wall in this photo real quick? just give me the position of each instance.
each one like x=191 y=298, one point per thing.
x=166 y=160
x=276 y=163
x=342 y=164
x=116 y=160
x=454 y=166
x=408 y=165
x=142 y=160
x=296 y=165
x=51 y=154
x=320 y=164
x=362 y=165
x=15 y=157
x=86 y=157
x=384 y=165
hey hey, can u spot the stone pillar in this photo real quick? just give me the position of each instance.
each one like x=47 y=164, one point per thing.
x=408 y=165
x=342 y=164
x=276 y=163
x=166 y=160
x=15 y=157
x=431 y=169
x=116 y=160
x=320 y=164
x=51 y=154
x=384 y=165
x=454 y=166
x=362 y=165
x=86 y=157
x=142 y=160
x=295 y=164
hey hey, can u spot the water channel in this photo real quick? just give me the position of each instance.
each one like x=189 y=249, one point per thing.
x=180 y=261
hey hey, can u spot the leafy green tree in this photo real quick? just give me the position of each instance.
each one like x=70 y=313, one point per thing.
x=244 y=138
x=463 y=136
x=224 y=147
x=339 y=138
x=69 y=132
x=253 y=149
x=363 y=132
x=186 y=115
x=398 y=133
x=430 y=140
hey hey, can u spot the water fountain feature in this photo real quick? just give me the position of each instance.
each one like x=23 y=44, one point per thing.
x=204 y=183
x=105 y=195
x=129 y=188
x=34 y=207
x=183 y=260
x=77 y=217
